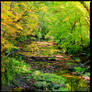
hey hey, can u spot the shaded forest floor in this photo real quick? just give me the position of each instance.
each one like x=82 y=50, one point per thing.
x=47 y=58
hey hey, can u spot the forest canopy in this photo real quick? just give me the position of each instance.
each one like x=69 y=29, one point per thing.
x=68 y=23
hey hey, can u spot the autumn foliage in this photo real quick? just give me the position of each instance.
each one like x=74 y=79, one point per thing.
x=17 y=19
x=67 y=23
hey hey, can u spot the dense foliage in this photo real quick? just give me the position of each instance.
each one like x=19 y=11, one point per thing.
x=66 y=23
x=18 y=19
x=69 y=23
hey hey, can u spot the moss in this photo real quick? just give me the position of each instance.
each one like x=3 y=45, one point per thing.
x=61 y=71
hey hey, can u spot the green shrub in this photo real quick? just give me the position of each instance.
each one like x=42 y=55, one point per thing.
x=48 y=81
x=21 y=38
x=79 y=69
x=68 y=28
x=87 y=74
x=11 y=67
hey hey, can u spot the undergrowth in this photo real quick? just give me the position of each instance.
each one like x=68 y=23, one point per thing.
x=47 y=81
x=11 y=67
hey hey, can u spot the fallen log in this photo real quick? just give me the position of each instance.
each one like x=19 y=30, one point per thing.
x=19 y=50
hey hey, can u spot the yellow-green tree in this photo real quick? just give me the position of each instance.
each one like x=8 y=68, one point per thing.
x=18 y=18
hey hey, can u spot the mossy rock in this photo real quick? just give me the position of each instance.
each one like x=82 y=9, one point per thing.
x=77 y=59
x=16 y=90
x=61 y=72
x=52 y=59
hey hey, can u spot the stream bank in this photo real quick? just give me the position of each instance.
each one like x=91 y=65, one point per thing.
x=48 y=60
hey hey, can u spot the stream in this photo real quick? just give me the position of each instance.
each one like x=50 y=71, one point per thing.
x=47 y=58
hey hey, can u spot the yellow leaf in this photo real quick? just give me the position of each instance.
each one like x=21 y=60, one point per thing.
x=65 y=19
x=19 y=27
x=2 y=69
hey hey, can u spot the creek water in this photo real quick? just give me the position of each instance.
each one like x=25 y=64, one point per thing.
x=48 y=59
